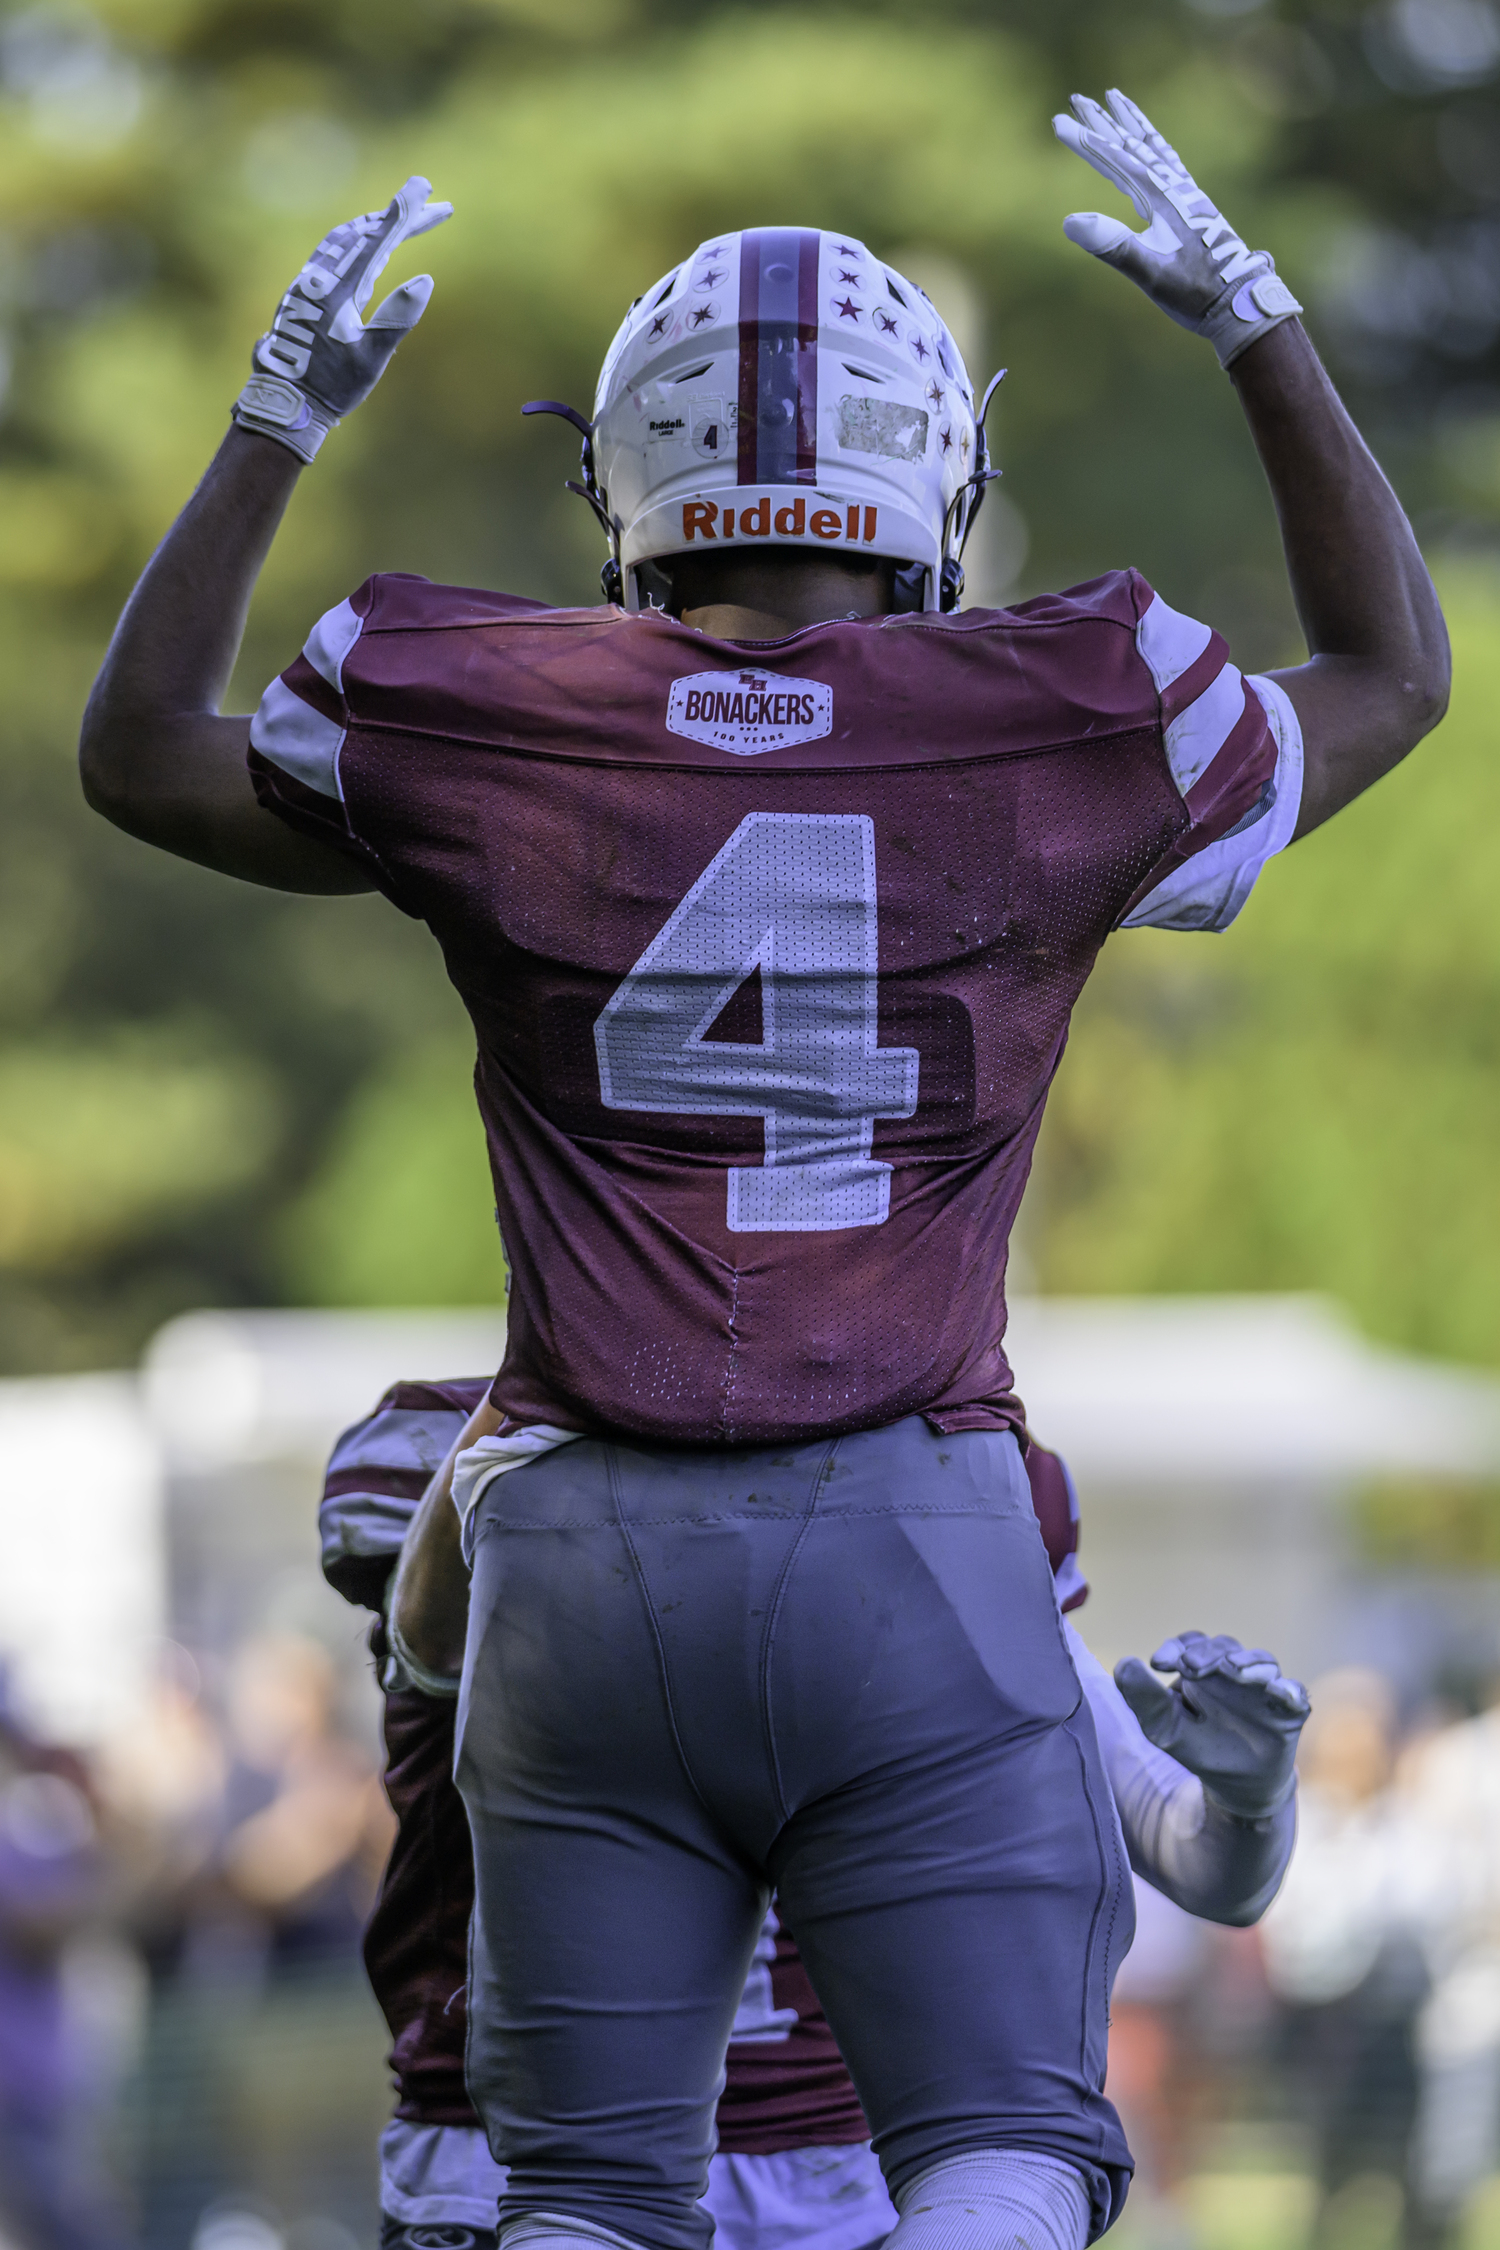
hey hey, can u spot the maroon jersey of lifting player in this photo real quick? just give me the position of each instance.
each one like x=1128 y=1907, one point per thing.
x=789 y=2091
x=771 y=955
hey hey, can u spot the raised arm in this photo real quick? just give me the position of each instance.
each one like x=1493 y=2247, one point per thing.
x=156 y=757
x=1378 y=671
x=1202 y=1773
x=1378 y=676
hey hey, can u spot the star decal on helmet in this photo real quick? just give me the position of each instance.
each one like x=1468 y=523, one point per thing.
x=848 y=250
x=846 y=308
x=963 y=444
x=918 y=348
x=701 y=313
x=886 y=324
x=846 y=275
x=935 y=393
x=709 y=279
x=659 y=325
x=945 y=440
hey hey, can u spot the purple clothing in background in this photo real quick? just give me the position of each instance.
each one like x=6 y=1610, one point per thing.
x=52 y=2195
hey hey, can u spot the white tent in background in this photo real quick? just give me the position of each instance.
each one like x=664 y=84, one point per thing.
x=83 y=1592
x=1215 y=1441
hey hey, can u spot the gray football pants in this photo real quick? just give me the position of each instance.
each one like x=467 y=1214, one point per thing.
x=835 y=1670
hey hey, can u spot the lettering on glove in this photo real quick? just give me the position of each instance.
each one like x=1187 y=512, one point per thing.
x=1188 y=259
x=320 y=358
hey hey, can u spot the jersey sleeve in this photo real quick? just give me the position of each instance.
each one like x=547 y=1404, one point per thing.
x=376 y=1475
x=1234 y=748
x=1054 y=1496
x=298 y=733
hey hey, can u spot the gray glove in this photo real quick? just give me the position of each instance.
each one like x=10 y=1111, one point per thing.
x=1189 y=260
x=1231 y=1719
x=320 y=359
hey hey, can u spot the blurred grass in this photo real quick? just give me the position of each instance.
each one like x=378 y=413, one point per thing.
x=1274 y=2210
x=1432 y=1523
x=1313 y=1099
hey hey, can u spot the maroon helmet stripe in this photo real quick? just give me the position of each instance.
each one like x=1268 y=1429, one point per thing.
x=808 y=245
x=749 y=354
x=778 y=389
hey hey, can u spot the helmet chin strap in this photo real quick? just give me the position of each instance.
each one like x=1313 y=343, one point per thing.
x=611 y=578
x=911 y=588
x=978 y=483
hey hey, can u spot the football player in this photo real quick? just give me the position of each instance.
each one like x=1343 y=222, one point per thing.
x=1212 y=1827
x=769 y=887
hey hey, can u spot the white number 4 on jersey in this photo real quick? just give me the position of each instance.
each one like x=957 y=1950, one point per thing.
x=792 y=895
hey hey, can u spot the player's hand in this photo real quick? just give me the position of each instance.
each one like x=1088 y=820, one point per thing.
x=320 y=358
x=1231 y=1718
x=1189 y=260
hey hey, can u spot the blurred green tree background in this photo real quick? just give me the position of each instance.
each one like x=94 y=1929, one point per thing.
x=214 y=1095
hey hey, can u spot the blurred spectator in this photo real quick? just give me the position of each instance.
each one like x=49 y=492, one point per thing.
x=164 y=1778
x=308 y=1825
x=1344 y=1946
x=308 y=1831
x=1151 y=2056
x=54 y=1881
x=1453 y=1781
x=254 y=1847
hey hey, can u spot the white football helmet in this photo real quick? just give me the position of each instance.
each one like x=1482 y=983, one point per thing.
x=783 y=387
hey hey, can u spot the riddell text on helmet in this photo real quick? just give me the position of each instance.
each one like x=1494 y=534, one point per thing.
x=703 y=519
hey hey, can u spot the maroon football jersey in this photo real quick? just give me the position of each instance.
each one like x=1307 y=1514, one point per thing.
x=770 y=953
x=785 y=2082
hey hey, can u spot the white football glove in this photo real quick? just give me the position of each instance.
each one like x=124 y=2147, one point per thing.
x=1231 y=1718
x=320 y=359
x=1189 y=260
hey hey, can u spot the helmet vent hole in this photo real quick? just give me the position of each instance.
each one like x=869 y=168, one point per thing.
x=895 y=292
x=666 y=293
x=862 y=374
x=691 y=374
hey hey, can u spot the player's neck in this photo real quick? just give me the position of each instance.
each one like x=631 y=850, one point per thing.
x=732 y=621
x=767 y=596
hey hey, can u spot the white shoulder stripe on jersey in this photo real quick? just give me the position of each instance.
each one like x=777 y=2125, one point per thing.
x=358 y=1525
x=1209 y=890
x=298 y=739
x=1197 y=735
x=328 y=644
x=1169 y=642
x=398 y=1437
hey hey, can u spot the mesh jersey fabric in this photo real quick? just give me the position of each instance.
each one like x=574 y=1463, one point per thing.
x=770 y=954
x=786 y=2086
